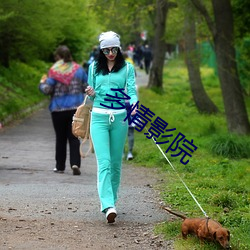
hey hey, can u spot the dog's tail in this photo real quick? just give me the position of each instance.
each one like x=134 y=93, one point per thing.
x=175 y=213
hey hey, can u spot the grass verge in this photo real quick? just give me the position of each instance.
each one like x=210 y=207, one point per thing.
x=19 y=89
x=218 y=171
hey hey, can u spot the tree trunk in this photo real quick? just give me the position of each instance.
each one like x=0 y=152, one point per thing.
x=201 y=99
x=233 y=98
x=159 y=47
x=223 y=38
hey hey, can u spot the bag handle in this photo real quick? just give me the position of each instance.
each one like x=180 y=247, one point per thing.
x=85 y=139
x=85 y=99
x=91 y=148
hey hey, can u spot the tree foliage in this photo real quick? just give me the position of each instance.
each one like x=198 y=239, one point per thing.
x=28 y=33
x=126 y=17
x=242 y=34
x=32 y=30
x=241 y=18
x=175 y=25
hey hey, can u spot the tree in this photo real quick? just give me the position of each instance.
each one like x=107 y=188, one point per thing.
x=126 y=17
x=241 y=17
x=28 y=33
x=201 y=99
x=159 y=46
x=223 y=38
x=242 y=33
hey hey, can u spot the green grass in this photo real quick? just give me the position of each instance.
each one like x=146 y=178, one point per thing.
x=19 y=88
x=218 y=171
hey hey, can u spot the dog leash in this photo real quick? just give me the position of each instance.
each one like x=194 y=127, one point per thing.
x=198 y=204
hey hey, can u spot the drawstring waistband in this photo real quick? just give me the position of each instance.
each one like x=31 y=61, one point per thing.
x=109 y=112
x=111 y=118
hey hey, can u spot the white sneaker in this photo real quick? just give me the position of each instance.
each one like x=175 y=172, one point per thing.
x=129 y=156
x=111 y=214
x=58 y=171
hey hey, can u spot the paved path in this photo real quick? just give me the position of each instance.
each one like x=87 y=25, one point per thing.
x=31 y=191
x=26 y=163
x=141 y=78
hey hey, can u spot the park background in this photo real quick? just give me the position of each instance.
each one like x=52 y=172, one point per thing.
x=198 y=83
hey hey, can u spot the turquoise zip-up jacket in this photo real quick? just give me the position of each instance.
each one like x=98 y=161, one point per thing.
x=102 y=84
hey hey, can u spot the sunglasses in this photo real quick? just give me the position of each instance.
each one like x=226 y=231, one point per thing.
x=106 y=51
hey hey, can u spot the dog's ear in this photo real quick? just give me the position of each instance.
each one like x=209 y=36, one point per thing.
x=228 y=237
x=214 y=235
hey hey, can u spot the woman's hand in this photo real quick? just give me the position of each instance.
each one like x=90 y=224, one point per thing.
x=134 y=110
x=90 y=91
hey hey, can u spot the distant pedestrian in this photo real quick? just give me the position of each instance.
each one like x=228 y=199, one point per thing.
x=131 y=127
x=65 y=84
x=93 y=55
x=147 y=54
x=108 y=128
x=131 y=134
x=138 y=56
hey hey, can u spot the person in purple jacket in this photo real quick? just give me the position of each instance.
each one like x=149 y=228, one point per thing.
x=65 y=83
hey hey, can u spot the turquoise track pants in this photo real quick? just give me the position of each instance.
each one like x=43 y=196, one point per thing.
x=108 y=138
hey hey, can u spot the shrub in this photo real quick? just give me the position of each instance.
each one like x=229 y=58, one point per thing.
x=231 y=146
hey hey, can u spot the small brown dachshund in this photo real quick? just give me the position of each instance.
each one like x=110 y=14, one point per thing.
x=204 y=229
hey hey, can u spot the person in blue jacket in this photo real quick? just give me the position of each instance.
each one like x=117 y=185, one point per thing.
x=108 y=76
x=65 y=83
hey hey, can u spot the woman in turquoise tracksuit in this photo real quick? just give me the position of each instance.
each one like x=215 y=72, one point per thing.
x=108 y=128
